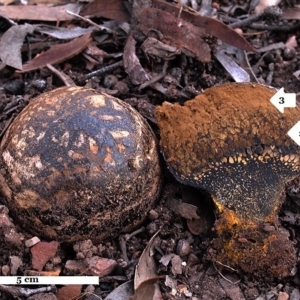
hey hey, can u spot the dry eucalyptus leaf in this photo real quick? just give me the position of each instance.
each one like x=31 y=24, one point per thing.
x=291 y=13
x=57 y=54
x=148 y=290
x=113 y=9
x=235 y=71
x=209 y=25
x=11 y=43
x=40 y=12
x=123 y=291
x=146 y=267
x=145 y=278
x=132 y=65
x=65 y=33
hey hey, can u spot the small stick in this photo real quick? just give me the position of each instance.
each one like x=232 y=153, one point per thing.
x=65 y=78
x=16 y=291
x=104 y=70
x=102 y=28
x=273 y=12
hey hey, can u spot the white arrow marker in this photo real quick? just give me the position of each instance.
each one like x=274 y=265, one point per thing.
x=281 y=100
x=294 y=133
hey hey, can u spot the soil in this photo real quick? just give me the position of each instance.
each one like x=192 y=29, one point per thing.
x=184 y=216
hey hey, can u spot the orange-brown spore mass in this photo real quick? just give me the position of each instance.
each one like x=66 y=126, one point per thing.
x=232 y=142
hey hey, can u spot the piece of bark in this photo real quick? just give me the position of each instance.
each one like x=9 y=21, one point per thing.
x=210 y=25
x=173 y=31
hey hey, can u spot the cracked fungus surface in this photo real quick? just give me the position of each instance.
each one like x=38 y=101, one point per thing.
x=79 y=164
x=232 y=142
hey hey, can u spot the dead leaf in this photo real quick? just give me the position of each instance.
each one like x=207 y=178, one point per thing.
x=57 y=54
x=235 y=71
x=11 y=44
x=40 y=12
x=65 y=33
x=147 y=267
x=186 y=37
x=211 y=26
x=291 y=42
x=145 y=278
x=165 y=259
x=291 y=13
x=113 y=9
x=148 y=290
x=132 y=65
x=123 y=291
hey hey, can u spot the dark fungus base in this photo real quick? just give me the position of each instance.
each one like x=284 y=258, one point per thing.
x=232 y=142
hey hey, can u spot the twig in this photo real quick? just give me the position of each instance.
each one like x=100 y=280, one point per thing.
x=223 y=275
x=285 y=28
x=273 y=12
x=129 y=236
x=122 y=242
x=104 y=70
x=102 y=28
x=65 y=78
x=156 y=78
x=16 y=291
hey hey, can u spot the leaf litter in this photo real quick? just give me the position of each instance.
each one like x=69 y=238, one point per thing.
x=150 y=48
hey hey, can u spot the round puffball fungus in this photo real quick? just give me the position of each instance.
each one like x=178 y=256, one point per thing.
x=232 y=142
x=77 y=164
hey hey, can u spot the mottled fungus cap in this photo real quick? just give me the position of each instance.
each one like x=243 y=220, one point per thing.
x=232 y=142
x=78 y=164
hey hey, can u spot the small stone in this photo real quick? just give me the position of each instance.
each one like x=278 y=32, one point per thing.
x=56 y=260
x=31 y=242
x=80 y=256
x=13 y=238
x=43 y=296
x=192 y=260
x=69 y=292
x=5 y=270
x=283 y=296
x=100 y=266
x=42 y=252
x=5 y=220
x=295 y=295
x=73 y=267
x=176 y=265
x=48 y=267
x=183 y=248
x=15 y=263
x=181 y=288
x=110 y=81
x=153 y=214
x=83 y=246
x=289 y=53
x=89 y=289
x=121 y=87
